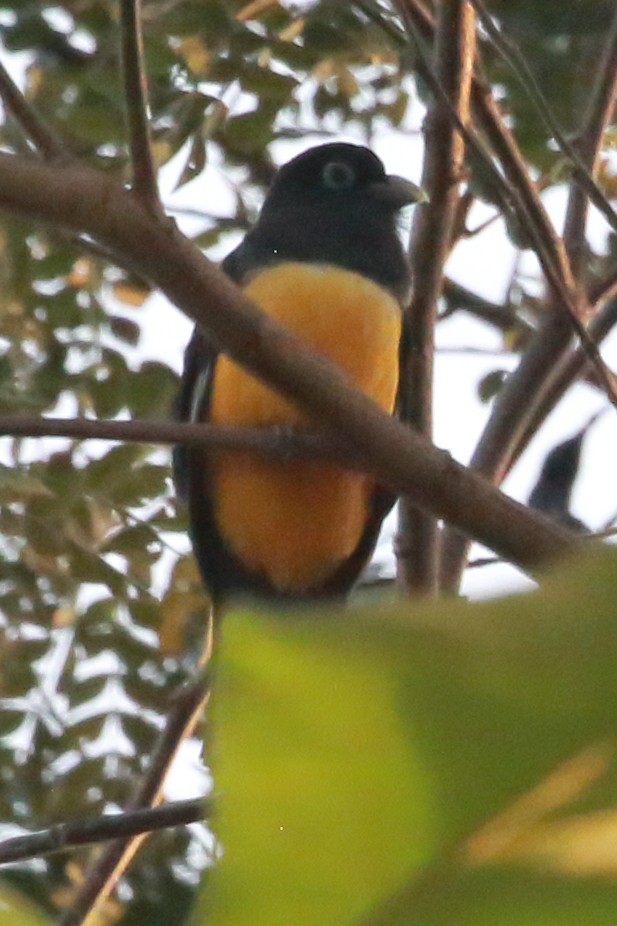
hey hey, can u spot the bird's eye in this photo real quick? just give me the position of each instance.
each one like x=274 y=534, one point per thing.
x=337 y=175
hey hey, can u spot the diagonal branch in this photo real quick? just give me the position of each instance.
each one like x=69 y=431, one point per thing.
x=529 y=207
x=521 y=194
x=549 y=248
x=572 y=367
x=64 y=837
x=429 y=248
x=136 y=95
x=589 y=142
x=512 y=54
x=26 y=117
x=516 y=407
x=104 y=874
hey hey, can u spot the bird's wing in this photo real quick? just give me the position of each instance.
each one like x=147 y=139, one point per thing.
x=197 y=376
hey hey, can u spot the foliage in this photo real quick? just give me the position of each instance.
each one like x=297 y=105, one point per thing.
x=420 y=764
x=90 y=533
x=16 y=911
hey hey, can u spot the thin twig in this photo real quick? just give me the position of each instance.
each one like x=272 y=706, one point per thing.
x=571 y=368
x=504 y=318
x=430 y=244
x=482 y=561
x=603 y=289
x=599 y=111
x=543 y=237
x=136 y=95
x=533 y=217
x=63 y=837
x=278 y=442
x=504 y=192
x=26 y=117
x=523 y=395
x=567 y=369
x=102 y=877
x=520 y=190
x=512 y=54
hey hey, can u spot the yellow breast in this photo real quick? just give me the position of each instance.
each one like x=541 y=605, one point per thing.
x=296 y=522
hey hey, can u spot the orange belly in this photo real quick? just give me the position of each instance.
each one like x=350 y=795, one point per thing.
x=296 y=522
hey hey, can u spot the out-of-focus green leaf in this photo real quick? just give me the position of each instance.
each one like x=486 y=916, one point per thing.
x=391 y=757
x=17 y=910
x=153 y=389
x=490 y=385
x=247 y=132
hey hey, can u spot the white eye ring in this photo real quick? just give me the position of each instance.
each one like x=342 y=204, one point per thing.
x=338 y=175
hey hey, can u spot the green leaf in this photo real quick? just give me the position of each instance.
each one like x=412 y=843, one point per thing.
x=490 y=384
x=249 y=132
x=15 y=910
x=413 y=764
x=267 y=84
x=21 y=484
x=125 y=328
x=153 y=389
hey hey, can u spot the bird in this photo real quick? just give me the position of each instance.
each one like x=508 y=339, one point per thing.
x=325 y=260
x=552 y=493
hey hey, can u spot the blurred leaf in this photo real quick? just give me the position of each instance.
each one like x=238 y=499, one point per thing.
x=490 y=385
x=102 y=473
x=130 y=293
x=22 y=483
x=249 y=131
x=154 y=388
x=196 y=160
x=392 y=757
x=16 y=910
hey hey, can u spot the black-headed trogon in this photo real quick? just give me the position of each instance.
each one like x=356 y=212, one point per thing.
x=325 y=261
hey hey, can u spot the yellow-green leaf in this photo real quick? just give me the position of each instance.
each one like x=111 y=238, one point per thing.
x=374 y=762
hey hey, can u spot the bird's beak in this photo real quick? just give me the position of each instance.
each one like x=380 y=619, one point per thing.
x=398 y=192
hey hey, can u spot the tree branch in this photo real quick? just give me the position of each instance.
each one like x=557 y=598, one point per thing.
x=520 y=189
x=504 y=318
x=429 y=247
x=102 y=877
x=529 y=209
x=277 y=442
x=517 y=405
x=83 y=201
x=589 y=143
x=64 y=837
x=603 y=289
x=512 y=54
x=28 y=119
x=136 y=95
x=553 y=260
x=572 y=366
